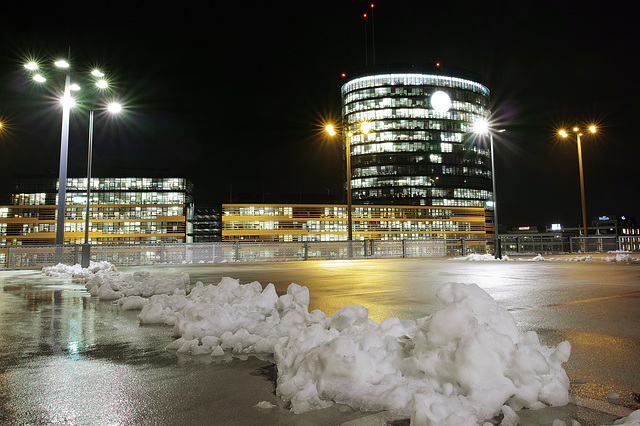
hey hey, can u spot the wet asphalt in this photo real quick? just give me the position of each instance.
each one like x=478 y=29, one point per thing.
x=68 y=358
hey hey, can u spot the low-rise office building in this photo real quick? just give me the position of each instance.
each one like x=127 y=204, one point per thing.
x=122 y=210
x=316 y=222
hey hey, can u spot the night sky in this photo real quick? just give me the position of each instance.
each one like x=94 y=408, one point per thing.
x=232 y=95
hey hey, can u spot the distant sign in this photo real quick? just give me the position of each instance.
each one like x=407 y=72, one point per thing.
x=603 y=218
x=524 y=228
x=556 y=227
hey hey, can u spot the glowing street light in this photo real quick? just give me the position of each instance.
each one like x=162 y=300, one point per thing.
x=67 y=102
x=365 y=127
x=483 y=127
x=113 y=108
x=564 y=134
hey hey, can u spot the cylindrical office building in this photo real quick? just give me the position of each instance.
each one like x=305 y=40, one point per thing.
x=420 y=149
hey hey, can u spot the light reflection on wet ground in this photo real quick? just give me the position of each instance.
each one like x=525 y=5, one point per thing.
x=66 y=357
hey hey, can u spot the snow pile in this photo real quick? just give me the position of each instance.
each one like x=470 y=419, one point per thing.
x=76 y=272
x=110 y=285
x=243 y=319
x=462 y=365
x=587 y=258
x=474 y=257
x=459 y=366
x=103 y=280
x=632 y=419
x=620 y=258
x=538 y=258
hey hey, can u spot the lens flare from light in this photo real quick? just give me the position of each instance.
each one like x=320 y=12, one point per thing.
x=39 y=78
x=114 y=107
x=62 y=64
x=67 y=102
x=481 y=126
x=440 y=101
x=330 y=129
x=31 y=66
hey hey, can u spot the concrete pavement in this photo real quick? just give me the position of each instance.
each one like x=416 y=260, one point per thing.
x=68 y=358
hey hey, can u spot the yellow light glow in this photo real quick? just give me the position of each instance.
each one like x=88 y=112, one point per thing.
x=334 y=263
x=32 y=66
x=349 y=134
x=575 y=129
x=592 y=129
x=365 y=127
x=330 y=129
x=563 y=133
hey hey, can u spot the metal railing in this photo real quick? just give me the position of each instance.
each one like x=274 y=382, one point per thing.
x=555 y=244
x=38 y=256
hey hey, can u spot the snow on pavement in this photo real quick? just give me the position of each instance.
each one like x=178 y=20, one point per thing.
x=462 y=365
x=619 y=257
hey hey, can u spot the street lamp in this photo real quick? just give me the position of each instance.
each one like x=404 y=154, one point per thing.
x=113 y=108
x=67 y=103
x=482 y=127
x=365 y=127
x=564 y=134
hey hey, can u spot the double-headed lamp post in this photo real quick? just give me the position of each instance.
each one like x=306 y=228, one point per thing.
x=68 y=102
x=564 y=134
x=365 y=127
x=483 y=127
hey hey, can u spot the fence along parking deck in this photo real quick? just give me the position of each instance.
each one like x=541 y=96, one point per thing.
x=38 y=256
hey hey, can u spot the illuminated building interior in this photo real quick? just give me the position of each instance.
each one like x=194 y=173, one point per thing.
x=420 y=149
x=122 y=210
x=314 y=222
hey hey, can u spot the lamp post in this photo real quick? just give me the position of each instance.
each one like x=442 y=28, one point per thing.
x=67 y=103
x=365 y=127
x=86 y=246
x=332 y=132
x=564 y=134
x=482 y=127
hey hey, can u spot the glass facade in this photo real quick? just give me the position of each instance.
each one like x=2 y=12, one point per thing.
x=314 y=222
x=418 y=151
x=122 y=210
